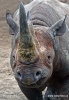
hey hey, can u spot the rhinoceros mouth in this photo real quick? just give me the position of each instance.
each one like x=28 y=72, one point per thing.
x=28 y=80
x=38 y=84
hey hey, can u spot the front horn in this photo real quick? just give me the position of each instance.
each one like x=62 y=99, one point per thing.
x=27 y=48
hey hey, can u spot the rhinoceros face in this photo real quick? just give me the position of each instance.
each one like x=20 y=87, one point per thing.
x=33 y=70
x=33 y=49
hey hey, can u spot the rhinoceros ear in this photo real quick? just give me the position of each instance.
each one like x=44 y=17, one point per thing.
x=13 y=27
x=59 y=28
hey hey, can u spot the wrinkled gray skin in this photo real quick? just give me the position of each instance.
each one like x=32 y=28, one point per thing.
x=51 y=13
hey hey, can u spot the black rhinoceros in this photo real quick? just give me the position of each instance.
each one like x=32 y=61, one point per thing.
x=40 y=49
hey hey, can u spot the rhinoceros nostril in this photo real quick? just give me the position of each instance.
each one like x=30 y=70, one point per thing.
x=38 y=75
x=19 y=74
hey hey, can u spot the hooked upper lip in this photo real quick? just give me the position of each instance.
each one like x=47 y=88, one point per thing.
x=35 y=84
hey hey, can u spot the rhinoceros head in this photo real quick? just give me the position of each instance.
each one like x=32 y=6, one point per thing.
x=33 y=48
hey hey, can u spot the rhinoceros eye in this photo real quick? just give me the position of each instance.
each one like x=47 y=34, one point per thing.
x=49 y=58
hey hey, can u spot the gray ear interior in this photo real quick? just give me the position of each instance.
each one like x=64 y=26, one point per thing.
x=59 y=28
x=13 y=27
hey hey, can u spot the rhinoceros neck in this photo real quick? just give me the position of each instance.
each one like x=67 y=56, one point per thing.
x=44 y=15
x=61 y=63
